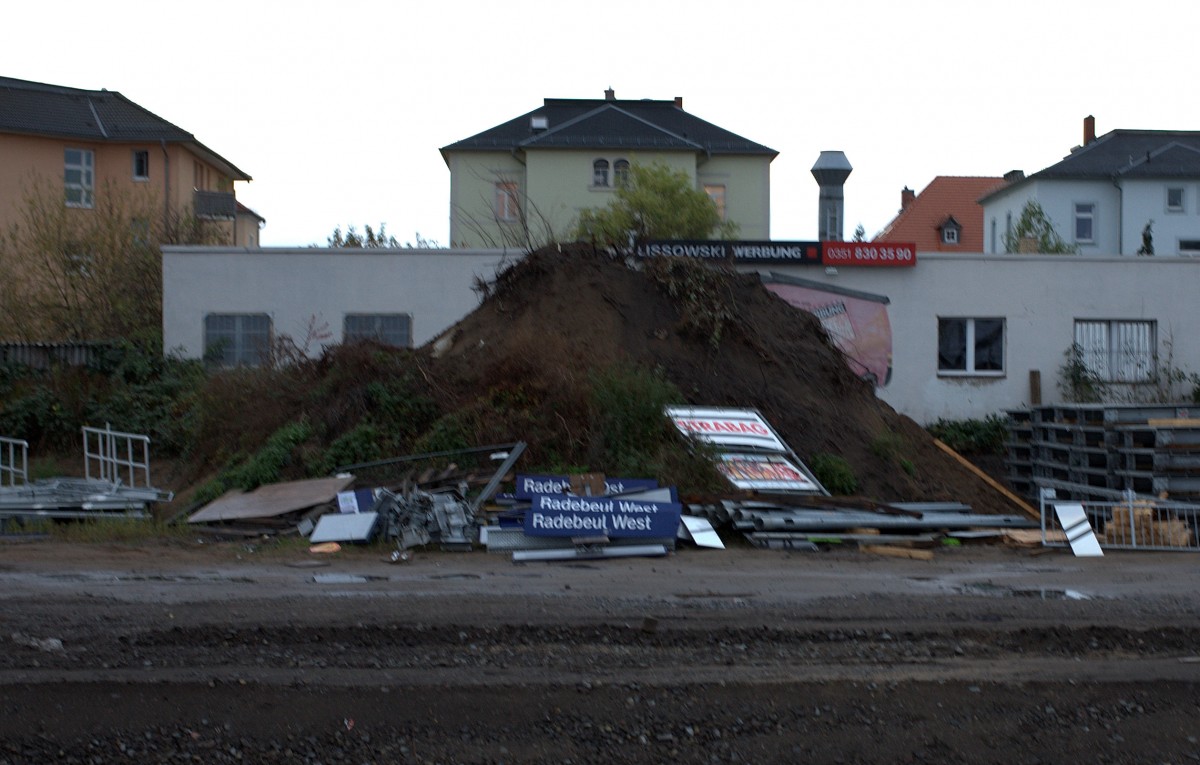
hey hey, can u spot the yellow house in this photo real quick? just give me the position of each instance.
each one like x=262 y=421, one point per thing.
x=91 y=142
x=525 y=181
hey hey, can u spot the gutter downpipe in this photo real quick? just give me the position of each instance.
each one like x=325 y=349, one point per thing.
x=166 y=186
x=1116 y=181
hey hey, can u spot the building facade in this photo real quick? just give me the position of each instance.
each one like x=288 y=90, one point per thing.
x=526 y=181
x=1128 y=192
x=83 y=144
x=944 y=217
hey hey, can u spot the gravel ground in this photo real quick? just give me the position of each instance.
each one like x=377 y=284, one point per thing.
x=234 y=653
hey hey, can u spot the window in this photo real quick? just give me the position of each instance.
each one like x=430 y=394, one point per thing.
x=716 y=192
x=1117 y=351
x=1175 y=199
x=950 y=234
x=79 y=177
x=1189 y=247
x=507 y=207
x=621 y=173
x=141 y=165
x=389 y=328
x=237 y=339
x=1085 y=220
x=600 y=172
x=199 y=175
x=971 y=346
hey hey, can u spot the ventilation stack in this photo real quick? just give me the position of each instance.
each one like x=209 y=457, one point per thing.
x=831 y=171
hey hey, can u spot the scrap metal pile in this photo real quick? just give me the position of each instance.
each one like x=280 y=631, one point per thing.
x=116 y=481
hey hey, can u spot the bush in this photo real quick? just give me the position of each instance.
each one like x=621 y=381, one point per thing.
x=986 y=436
x=834 y=473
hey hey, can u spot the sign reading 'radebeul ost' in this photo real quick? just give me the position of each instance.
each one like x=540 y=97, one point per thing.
x=558 y=515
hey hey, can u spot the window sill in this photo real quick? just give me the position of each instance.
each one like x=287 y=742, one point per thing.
x=958 y=375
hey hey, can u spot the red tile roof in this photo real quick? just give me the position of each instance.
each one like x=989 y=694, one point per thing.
x=946 y=196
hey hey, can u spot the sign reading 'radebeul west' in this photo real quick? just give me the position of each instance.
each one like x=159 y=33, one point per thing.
x=558 y=515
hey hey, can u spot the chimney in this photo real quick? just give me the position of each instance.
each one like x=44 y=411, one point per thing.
x=678 y=102
x=610 y=95
x=1012 y=176
x=907 y=197
x=1089 y=129
x=831 y=171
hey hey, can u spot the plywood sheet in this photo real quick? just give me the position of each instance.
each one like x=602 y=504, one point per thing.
x=271 y=500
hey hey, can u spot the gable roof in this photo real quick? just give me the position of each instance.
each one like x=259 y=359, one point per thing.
x=611 y=124
x=1127 y=154
x=100 y=116
x=946 y=198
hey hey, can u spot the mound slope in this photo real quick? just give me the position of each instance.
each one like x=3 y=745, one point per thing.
x=723 y=339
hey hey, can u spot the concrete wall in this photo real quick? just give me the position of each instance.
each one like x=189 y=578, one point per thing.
x=1038 y=296
x=298 y=287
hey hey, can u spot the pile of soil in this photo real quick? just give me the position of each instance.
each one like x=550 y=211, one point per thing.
x=561 y=313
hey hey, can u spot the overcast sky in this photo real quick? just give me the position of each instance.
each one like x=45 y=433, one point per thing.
x=338 y=109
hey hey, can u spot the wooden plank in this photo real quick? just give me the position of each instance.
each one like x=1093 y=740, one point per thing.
x=898 y=552
x=1174 y=423
x=1025 y=506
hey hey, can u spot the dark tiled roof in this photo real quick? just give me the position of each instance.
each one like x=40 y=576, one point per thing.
x=1129 y=154
x=33 y=108
x=946 y=198
x=596 y=124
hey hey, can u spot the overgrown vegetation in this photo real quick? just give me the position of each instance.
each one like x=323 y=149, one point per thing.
x=972 y=436
x=706 y=305
x=834 y=473
x=1034 y=226
x=1161 y=381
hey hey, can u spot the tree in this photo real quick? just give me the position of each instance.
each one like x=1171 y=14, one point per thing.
x=368 y=240
x=89 y=274
x=655 y=202
x=1036 y=226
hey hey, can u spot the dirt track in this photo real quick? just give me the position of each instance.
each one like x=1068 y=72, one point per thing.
x=227 y=654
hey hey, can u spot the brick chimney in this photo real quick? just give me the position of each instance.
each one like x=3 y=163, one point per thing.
x=1089 y=129
x=907 y=197
x=678 y=102
x=610 y=95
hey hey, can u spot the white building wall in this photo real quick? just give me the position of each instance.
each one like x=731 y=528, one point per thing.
x=1058 y=199
x=1147 y=201
x=306 y=287
x=1039 y=297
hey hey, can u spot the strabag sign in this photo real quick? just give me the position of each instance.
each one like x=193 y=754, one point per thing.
x=559 y=515
x=730 y=428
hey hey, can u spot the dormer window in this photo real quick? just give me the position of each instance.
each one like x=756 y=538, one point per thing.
x=951 y=231
x=600 y=173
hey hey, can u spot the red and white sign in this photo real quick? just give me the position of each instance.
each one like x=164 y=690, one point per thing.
x=883 y=254
x=764 y=472
x=738 y=428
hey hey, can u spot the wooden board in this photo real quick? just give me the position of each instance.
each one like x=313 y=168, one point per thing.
x=898 y=552
x=271 y=500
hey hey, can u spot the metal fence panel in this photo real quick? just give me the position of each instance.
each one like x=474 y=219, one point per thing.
x=1133 y=523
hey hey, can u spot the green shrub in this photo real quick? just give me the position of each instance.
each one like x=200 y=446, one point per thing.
x=986 y=436
x=834 y=473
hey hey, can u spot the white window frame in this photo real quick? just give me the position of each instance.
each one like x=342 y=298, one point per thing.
x=1079 y=217
x=1189 y=247
x=1119 y=350
x=969 y=347
x=949 y=235
x=508 y=203
x=143 y=173
x=1182 y=205
x=717 y=193
x=237 y=339
x=393 y=329
x=621 y=173
x=79 y=176
x=600 y=171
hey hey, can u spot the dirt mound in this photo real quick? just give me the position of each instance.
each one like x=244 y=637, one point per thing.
x=558 y=317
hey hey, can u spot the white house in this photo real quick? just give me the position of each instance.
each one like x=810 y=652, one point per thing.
x=1108 y=194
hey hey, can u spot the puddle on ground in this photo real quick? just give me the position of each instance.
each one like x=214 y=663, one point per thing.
x=455 y=576
x=336 y=578
x=138 y=578
x=1042 y=593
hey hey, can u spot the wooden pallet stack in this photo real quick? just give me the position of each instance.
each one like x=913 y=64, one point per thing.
x=1151 y=449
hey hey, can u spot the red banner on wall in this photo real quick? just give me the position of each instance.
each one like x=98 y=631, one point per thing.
x=887 y=255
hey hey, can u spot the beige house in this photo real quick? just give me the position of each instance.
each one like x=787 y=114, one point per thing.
x=526 y=181
x=91 y=142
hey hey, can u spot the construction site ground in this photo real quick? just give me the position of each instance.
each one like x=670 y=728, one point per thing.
x=231 y=652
